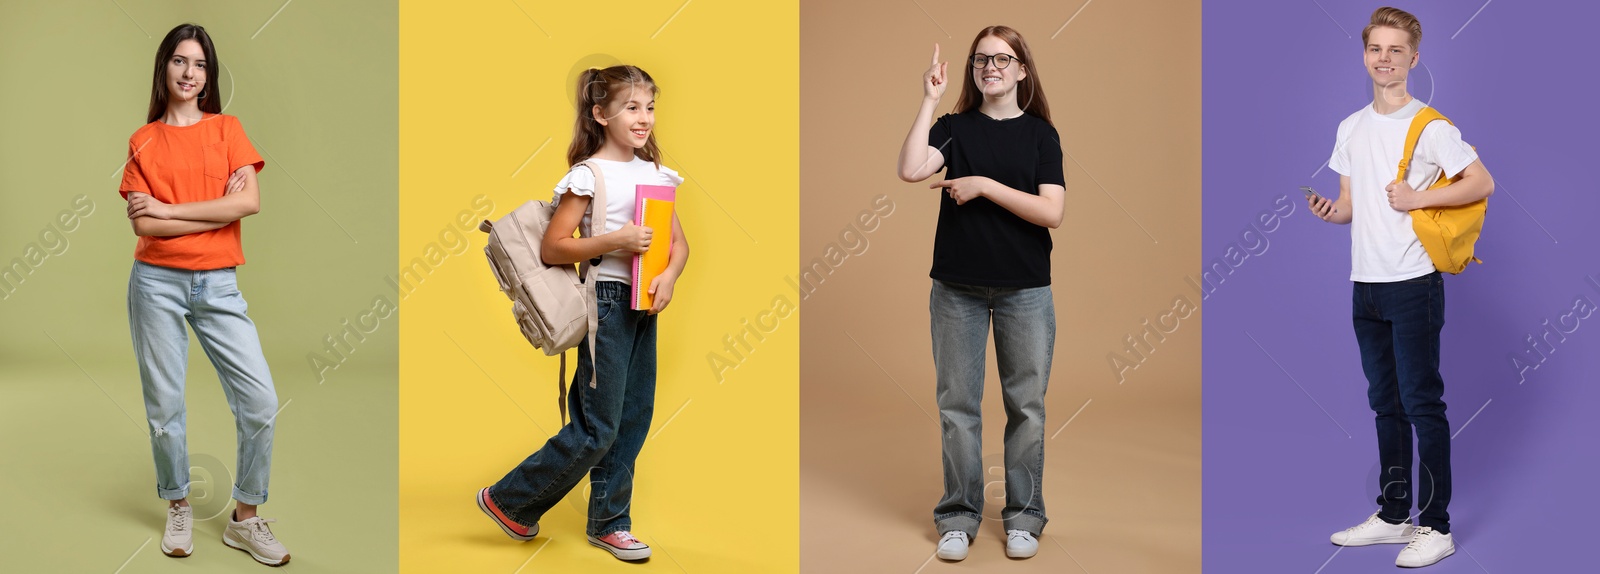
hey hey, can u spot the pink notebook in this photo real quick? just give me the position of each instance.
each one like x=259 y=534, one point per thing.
x=652 y=207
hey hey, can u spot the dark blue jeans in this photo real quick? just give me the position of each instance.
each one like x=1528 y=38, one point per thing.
x=608 y=427
x=1397 y=327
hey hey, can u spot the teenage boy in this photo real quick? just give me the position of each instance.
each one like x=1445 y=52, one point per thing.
x=1398 y=305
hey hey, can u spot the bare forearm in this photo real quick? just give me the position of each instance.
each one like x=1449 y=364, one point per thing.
x=1036 y=209
x=1471 y=188
x=915 y=164
x=150 y=226
x=226 y=209
x=569 y=250
x=1343 y=213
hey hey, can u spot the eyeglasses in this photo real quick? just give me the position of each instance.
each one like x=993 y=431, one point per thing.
x=981 y=61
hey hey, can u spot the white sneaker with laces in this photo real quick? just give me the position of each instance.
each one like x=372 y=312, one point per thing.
x=1021 y=544
x=252 y=536
x=1374 y=530
x=178 y=538
x=1427 y=547
x=953 y=546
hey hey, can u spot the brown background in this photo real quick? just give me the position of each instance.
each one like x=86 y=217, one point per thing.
x=1122 y=481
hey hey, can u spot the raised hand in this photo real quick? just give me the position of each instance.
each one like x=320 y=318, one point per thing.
x=933 y=82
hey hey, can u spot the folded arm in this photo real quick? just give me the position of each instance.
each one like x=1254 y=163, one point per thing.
x=151 y=217
x=145 y=225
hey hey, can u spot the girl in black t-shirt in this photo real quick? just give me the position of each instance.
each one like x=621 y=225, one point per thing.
x=1003 y=187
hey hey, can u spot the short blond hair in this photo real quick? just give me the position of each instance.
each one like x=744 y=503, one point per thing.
x=1390 y=17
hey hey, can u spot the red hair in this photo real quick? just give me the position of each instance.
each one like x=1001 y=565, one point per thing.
x=1030 y=95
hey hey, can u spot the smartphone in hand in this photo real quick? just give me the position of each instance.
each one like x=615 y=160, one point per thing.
x=1311 y=194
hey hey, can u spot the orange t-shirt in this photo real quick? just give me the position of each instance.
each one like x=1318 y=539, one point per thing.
x=185 y=164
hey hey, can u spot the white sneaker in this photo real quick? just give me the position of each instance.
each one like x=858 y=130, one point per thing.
x=253 y=536
x=1374 y=531
x=178 y=539
x=1021 y=544
x=1427 y=547
x=953 y=546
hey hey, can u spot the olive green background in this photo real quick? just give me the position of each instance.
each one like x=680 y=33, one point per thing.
x=316 y=90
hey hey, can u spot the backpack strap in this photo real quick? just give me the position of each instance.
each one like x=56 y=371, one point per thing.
x=561 y=384
x=1424 y=117
x=597 y=222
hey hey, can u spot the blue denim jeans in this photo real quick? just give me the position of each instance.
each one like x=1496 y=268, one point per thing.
x=1024 y=340
x=607 y=429
x=1397 y=327
x=160 y=301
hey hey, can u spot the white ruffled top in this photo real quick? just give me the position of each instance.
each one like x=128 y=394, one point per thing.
x=622 y=180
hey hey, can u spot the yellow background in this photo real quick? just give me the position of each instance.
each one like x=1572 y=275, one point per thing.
x=485 y=108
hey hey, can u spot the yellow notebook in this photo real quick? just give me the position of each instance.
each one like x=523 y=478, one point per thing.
x=653 y=206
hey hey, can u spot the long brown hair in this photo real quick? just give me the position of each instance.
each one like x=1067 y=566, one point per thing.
x=210 y=97
x=598 y=87
x=1030 y=95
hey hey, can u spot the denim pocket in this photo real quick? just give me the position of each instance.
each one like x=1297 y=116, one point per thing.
x=1429 y=279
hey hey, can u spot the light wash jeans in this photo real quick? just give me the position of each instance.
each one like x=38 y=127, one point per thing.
x=1024 y=339
x=608 y=427
x=160 y=301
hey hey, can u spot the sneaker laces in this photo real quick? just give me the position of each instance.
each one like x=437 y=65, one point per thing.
x=626 y=538
x=961 y=534
x=1421 y=538
x=1015 y=534
x=1368 y=523
x=177 y=520
x=259 y=530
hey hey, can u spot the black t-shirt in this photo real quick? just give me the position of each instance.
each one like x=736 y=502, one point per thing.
x=980 y=243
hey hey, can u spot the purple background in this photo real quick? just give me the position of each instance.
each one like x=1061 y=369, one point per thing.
x=1290 y=453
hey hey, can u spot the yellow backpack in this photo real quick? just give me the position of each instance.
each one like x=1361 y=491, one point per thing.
x=1447 y=233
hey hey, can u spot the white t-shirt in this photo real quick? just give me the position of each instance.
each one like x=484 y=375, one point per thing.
x=1383 y=246
x=622 y=179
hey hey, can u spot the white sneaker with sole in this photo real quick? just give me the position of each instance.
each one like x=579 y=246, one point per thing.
x=1021 y=544
x=953 y=546
x=1374 y=530
x=178 y=539
x=252 y=536
x=1427 y=547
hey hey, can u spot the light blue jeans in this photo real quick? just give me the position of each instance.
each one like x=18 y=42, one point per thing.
x=160 y=301
x=1024 y=342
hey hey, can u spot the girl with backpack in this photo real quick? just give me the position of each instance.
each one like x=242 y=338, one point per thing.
x=614 y=131
x=1003 y=190
x=189 y=181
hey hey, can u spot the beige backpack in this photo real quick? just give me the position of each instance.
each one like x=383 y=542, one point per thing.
x=554 y=304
